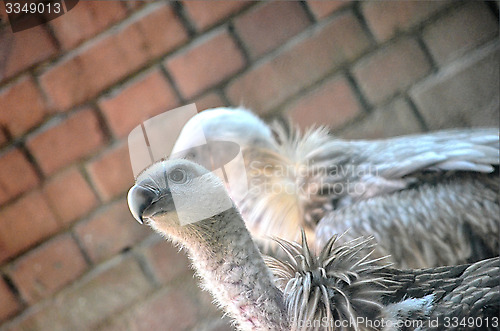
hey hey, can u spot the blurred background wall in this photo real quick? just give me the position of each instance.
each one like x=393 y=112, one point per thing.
x=71 y=255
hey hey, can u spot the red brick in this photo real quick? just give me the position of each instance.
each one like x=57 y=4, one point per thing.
x=167 y=310
x=110 y=231
x=322 y=8
x=387 y=18
x=16 y=175
x=204 y=14
x=26 y=48
x=106 y=60
x=142 y=99
x=9 y=305
x=82 y=76
x=73 y=139
x=161 y=40
x=3 y=13
x=69 y=195
x=23 y=106
x=115 y=323
x=24 y=223
x=394 y=119
x=6 y=40
x=112 y=172
x=272 y=82
x=460 y=31
x=102 y=292
x=3 y=139
x=47 y=269
x=391 y=70
x=333 y=103
x=166 y=261
x=209 y=100
x=85 y=20
x=206 y=64
x=464 y=93
x=135 y=4
x=176 y=307
x=268 y=26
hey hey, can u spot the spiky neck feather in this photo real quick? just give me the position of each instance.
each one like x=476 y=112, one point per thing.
x=339 y=285
x=233 y=270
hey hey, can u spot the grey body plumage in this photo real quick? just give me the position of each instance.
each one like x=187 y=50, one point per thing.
x=406 y=191
x=341 y=282
x=344 y=284
x=464 y=226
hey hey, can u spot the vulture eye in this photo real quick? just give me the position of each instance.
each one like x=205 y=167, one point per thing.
x=177 y=176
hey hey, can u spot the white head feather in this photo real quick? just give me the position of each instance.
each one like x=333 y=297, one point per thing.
x=238 y=125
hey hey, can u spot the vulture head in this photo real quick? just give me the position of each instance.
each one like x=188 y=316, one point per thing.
x=172 y=196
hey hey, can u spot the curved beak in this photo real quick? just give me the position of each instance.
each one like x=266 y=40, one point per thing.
x=144 y=202
x=139 y=198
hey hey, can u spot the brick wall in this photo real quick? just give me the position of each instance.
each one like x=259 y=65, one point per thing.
x=71 y=255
